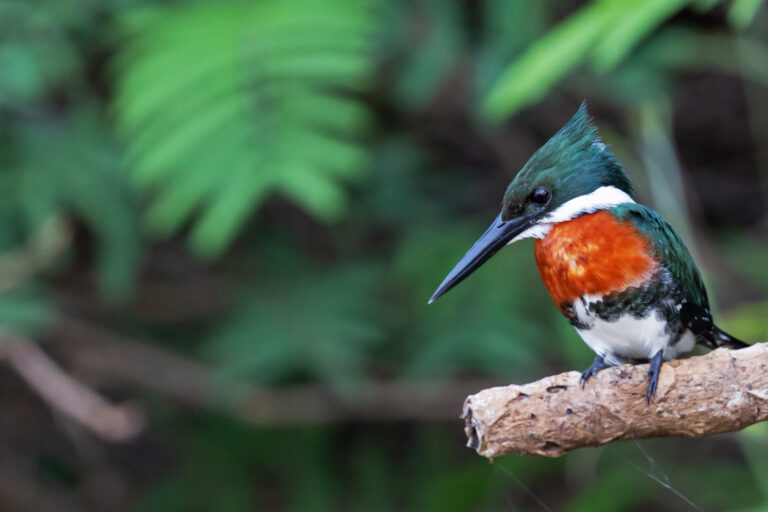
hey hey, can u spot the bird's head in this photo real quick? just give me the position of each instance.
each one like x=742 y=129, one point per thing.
x=573 y=173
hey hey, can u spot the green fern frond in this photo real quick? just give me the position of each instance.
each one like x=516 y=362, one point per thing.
x=323 y=327
x=70 y=167
x=225 y=103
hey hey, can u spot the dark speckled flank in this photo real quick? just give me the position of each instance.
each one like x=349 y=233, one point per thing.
x=570 y=313
x=659 y=296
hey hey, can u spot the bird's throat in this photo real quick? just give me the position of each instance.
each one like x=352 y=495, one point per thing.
x=593 y=254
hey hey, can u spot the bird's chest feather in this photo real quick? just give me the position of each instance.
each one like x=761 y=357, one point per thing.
x=592 y=255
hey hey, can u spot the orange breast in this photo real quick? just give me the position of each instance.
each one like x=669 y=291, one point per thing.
x=592 y=254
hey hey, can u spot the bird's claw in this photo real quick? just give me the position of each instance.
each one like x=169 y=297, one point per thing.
x=653 y=373
x=597 y=365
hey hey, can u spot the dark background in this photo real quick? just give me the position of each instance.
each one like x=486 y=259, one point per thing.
x=220 y=223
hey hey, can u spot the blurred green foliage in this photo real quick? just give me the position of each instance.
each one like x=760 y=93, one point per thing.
x=273 y=188
x=602 y=34
x=291 y=328
x=229 y=86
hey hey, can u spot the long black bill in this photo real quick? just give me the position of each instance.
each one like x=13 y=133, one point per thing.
x=495 y=237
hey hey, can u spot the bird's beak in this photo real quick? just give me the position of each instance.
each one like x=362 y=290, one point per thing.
x=498 y=234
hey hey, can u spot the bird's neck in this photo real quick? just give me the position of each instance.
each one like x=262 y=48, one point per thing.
x=601 y=198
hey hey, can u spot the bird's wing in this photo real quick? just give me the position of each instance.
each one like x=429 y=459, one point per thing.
x=670 y=251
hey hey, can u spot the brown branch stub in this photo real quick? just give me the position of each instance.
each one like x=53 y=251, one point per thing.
x=723 y=391
x=67 y=395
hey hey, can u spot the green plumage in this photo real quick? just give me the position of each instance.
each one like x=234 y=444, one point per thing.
x=572 y=163
x=652 y=316
x=686 y=283
x=668 y=248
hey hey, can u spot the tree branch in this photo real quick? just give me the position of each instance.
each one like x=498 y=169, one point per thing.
x=65 y=394
x=723 y=391
x=106 y=356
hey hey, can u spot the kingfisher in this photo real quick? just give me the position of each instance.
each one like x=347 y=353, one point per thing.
x=615 y=268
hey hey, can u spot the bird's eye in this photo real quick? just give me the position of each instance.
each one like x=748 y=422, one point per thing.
x=540 y=196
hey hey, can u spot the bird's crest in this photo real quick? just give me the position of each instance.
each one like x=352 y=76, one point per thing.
x=574 y=162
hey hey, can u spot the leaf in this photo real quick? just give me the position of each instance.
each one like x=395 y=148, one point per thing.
x=224 y=104
x=24 y=311
x=549 y=59
x=703 y=6
x=509 y=26
x=70 y=168
x=627 y=30
x=433 y=54
x=319 y=325
x=393 y=195
x=676 y=50
x=482 y=325
x=743 y=12
x=38 y=53
x=603 y=32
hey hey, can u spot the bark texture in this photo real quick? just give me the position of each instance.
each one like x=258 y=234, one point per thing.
x=723 y=391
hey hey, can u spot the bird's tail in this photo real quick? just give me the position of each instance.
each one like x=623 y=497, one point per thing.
x=723 y=339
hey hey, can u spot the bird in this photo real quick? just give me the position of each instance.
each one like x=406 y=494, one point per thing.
x=614 y=268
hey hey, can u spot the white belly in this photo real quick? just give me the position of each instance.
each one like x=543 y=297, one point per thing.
x=630 y=337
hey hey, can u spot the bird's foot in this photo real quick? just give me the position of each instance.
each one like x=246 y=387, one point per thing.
x=597 y=365
x=653 y=374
